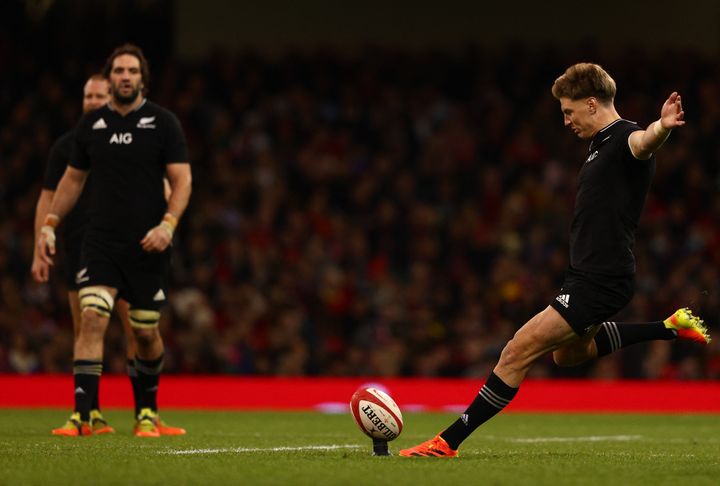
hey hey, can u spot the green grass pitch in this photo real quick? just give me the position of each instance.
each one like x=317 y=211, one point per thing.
x=293 y=448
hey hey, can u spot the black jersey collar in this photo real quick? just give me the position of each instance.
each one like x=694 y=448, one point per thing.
x=110 y=106
x=604 y=134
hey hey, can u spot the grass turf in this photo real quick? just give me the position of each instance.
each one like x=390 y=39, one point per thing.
x=292 y=448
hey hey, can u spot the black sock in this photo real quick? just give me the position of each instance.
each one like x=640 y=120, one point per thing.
x=87 y=378
x=96 y=398
x=133 y=375
x=615 y=335
x=148 y=378
x=493 y=397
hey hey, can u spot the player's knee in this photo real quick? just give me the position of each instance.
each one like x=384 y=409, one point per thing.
x=92 y=326
x=512 y=354
x=145 y=325
x=520 y=352
x=131 y=346
x=96 y=299
x=145 y=338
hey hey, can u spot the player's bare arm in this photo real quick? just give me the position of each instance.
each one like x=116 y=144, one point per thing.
x=167 y=190
x=41 y=270
x=643 y=143
x=180 y=178
x=66 y=195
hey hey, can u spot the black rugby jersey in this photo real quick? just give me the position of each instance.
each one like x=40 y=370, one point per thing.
x=611 y=193
x=76 y=220
x=127 y=156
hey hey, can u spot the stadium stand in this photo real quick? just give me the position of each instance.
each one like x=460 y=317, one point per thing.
x=387 y=213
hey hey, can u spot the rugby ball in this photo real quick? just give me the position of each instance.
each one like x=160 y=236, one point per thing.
x=377 y=415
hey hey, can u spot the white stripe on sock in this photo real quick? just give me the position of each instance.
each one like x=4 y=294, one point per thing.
x=493 y=399
x=613 y=335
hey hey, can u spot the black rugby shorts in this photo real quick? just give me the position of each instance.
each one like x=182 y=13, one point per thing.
x=72 y=246
x=586 y=299
x=140 y=277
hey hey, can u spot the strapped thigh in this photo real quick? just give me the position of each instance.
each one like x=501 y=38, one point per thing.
x=144 y=319
x=97 y=299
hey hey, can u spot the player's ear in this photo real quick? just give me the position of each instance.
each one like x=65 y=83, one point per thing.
x=592 y=104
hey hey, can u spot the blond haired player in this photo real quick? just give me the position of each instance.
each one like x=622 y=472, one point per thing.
x=613 y=183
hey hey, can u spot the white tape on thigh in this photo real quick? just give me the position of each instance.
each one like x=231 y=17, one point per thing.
x=144 y=319
x=96 y=299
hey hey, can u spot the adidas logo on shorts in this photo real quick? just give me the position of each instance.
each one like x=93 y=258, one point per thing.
x=564 y=299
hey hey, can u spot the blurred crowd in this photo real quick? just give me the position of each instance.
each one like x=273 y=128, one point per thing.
x=382 y=213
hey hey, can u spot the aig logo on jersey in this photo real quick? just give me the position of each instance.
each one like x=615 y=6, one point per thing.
x=121 y=138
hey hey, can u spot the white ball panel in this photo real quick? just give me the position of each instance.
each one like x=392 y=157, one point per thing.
x=377 y=421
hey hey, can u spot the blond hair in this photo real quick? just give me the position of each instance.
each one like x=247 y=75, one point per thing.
x=585 y=80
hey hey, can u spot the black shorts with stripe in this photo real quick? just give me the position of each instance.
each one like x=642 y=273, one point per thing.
x=139 y=277
x=588 y=299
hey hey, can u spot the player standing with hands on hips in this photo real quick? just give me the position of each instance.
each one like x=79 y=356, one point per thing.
x=612 y=187
x=130 y=144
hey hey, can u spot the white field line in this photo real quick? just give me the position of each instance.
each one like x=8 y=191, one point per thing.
x=591 y=438
x=240 y=450
x=519 y=440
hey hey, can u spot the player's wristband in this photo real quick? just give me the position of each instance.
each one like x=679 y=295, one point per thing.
x=171 y=220
x=169 y=223
x=49 y=232
x=52 y=220
x=660 y=131
x=48 y=229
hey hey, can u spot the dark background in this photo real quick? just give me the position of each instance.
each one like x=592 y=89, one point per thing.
x=378 y=189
